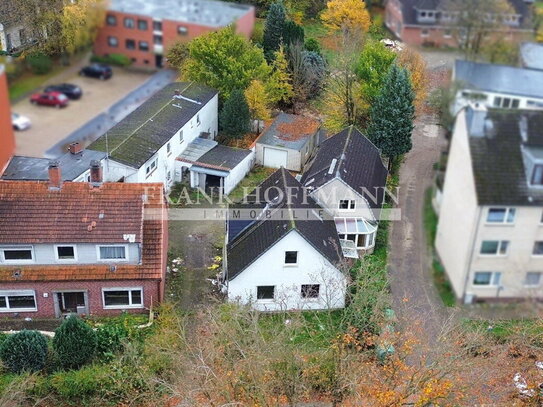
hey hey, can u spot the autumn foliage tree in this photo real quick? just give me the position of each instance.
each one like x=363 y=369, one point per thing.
x=348 y=16
x=257 y=100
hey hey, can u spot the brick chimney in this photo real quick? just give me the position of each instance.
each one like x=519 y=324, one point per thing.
x=75 y=148
x=55 y=178
x=96 y=173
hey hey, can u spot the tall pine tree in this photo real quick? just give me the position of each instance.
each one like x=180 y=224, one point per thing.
x=235 y=117
x=273 y=29
x=392 y=115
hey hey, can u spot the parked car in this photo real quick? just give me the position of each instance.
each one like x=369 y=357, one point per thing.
x=73 y=92
x=19 y=122
x=56 y=99
x=99 y=71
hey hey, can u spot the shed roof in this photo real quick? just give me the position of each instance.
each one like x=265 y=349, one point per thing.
x=210 y=154
x=532 y=55
x=289 y=131
x=143 y=132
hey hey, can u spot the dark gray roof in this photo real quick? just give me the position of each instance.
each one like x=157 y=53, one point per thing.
x=358 y=164
x=531 y=54
x=143 y=132
x=499 y=78
x=249 y=240
x=496 y=155
x=224 y=157
x=36 y=169
x=289 y=131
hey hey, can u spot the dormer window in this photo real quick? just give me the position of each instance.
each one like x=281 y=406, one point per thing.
x=537 y=175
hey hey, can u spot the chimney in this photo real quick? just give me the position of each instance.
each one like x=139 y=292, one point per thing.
x=96 y=173
x=75 y=148
x=177 y=92
x=55 y=180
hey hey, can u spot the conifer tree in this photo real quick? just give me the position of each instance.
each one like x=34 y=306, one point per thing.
x=273 y=29
x=235 y=117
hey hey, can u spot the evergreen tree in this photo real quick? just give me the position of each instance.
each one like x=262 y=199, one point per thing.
x=235 y=117
x=74 y=343
x=25 y=351
x=279 y=85
x=392 y=114
x=273 y=29
x=292 y=33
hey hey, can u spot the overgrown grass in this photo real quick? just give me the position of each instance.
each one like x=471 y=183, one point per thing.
x=502 y=331
x=29 y=82
x=252 y=180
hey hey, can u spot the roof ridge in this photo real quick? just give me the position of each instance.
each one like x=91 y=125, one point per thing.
x=288 y=203
x=342 y=156
x=145 y=122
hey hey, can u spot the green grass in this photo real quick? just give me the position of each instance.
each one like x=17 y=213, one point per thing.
x=501 y=331
x=441 y=281
x=329 y=42
x=252 y=180
x=29 y=82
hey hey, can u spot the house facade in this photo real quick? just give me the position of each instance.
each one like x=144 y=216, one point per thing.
x=490 y=234
x=92 y=249
x=348 y=178
x=288 y=257
x=289 y=141
x=145 y=30
x=7 y=138
x=428 y=22
x=497 y=86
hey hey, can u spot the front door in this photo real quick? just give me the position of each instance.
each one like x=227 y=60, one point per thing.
x=158 y=60
x=72 y=302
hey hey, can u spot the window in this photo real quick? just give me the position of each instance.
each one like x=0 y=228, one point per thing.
x=424 y=32
x=129 y=22
x=501 y=215
x=111 y=20
x=151 y=167
x=112 y=252
x=495 y=247
x=157 y=39
x=157 y=25
x=123 y=297
x=538 y=248
x=537 y=175
x=347 y=204
x=142 y=25
x=181 y=136
x=112 y=42
x=144 y=46
x=265 y=292
x=17 y=254
x=488 y=278
x=506 y=103
x=447 y=33
x=310 y=290
x=515 y=103
x=168 y=148
x=533 y=278
x=130 y=44
x=65 y=252
x=182 y=30
x=291 y=257
x=198 y=120
x=23 y=300
x=497 y=101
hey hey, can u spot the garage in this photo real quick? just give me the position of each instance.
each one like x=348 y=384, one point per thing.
x=275 y=158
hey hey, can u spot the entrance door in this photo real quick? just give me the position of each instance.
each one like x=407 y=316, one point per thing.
x=275 y=158
x=71 y=302
x=159 y=60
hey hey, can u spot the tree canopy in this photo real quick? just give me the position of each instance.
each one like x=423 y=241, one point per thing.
x=235 y=117
x=273 y=29
x=349 y=16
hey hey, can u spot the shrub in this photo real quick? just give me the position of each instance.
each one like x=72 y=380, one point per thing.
x=39 y=63
x=74 y=343
x=311 y=44
x=80 y=384
x=112 y=59
x=109 y=339
x=24 y=351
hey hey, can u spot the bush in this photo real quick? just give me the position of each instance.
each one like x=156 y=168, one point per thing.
x=24 y=351
x=74 y=343
x=109 y=340
x=39 y=63
x=311 y=44
x=112 y=59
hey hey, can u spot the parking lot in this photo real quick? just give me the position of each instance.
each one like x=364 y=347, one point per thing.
x=51 y=125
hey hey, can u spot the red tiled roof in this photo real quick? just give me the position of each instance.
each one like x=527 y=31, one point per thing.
x=49 y=215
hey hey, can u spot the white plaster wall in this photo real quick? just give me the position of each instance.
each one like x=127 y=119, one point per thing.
x=461 y=102
x=239 y=172
x=269 y=269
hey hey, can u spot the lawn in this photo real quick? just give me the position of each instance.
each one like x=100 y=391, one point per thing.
x=501 y=331
x=329 y=42
x=252 y=180
x=29 y=82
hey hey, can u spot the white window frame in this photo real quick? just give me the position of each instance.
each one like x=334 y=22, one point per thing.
x=495 y=279
x=351 y=202
x=99 y=257
x=129 y=290
x=151 y=167
x=66 y=260
x=266 y=299
x=21 y=293
x=310 y=298
x=3 y=257
x=533 y=254
x=497 y=254
x=507 y=210
x=533 y=285
x=291 y=264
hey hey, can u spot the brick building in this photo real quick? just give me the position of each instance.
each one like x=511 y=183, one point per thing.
x=428 y=22
x=145 y=30
x=87 y=248
x=7 y=138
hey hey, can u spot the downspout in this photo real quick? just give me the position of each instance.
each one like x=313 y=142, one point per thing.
x=472 y=252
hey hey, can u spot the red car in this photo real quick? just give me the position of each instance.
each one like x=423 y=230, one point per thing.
x=56 y=99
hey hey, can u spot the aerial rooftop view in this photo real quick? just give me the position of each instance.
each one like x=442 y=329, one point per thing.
x=271 y=203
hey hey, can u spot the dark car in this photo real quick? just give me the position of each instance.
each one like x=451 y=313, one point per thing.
x=56 y=99
x=73 y=92
x=99 y=71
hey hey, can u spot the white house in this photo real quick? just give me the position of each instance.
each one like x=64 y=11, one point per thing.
x=497 y=86
x=285 y=257
x=348 y=178
x=145 y=145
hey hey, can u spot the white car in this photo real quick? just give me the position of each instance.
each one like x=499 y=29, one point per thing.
x=20 y=122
